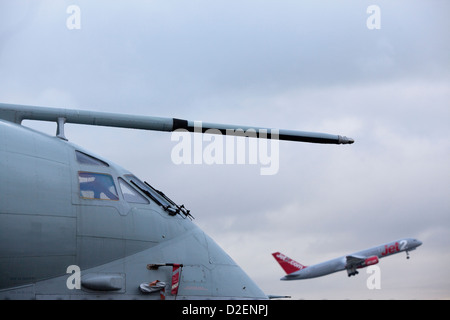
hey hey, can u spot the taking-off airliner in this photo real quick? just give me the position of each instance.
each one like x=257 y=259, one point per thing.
x=357 y=260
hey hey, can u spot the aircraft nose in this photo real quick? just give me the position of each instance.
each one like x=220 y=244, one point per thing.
x=419 y=243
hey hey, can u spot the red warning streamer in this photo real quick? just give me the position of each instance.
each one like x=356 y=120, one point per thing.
x=175 y=278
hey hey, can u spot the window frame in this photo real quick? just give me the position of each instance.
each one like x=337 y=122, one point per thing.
x=86 y=159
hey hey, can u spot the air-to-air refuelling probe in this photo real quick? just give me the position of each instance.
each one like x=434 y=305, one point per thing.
x=74 y=225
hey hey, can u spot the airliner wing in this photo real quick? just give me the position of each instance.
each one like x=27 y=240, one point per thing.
x=355 y=261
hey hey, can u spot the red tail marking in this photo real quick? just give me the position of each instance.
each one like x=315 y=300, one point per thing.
x=288 y=265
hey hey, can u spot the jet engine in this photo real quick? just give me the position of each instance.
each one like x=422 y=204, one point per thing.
x=370 y=261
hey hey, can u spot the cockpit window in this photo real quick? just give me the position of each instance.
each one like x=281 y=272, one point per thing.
x=130 y=194
x=149 y=191
x=97 y=186
x=158 y=197
x=84 y=158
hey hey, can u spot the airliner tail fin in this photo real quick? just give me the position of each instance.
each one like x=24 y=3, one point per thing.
x=288 y=265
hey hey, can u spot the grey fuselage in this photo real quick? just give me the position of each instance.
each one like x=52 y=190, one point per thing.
x=340 y=264
x=49 y=224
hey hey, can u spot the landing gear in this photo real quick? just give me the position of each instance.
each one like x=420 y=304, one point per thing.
x=407 y=255
x=352 y=272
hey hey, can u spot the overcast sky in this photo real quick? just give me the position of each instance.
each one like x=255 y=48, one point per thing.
x=282 y=64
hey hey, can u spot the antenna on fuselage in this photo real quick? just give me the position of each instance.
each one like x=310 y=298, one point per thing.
x=60 y=128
